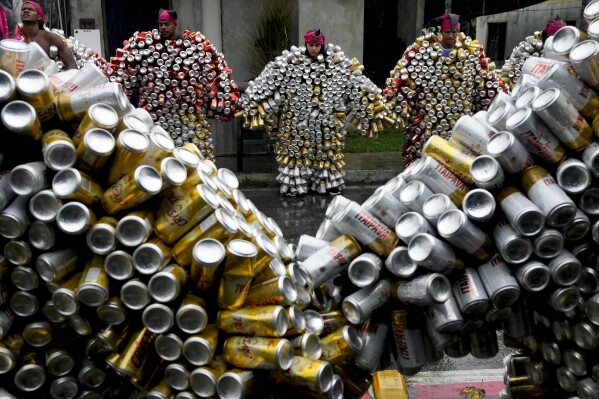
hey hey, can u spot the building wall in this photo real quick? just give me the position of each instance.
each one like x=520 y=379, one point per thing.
x=525 y=22
x=410 y=19
x=89 y=9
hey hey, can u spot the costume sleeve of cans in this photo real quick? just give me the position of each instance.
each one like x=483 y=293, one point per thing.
x=309 y=103
x=430 y=91
x=181 y=83
x=531 y=46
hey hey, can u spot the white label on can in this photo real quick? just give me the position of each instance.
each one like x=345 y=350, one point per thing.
x=546 y=194
x=207 y=223
x=92 y=274
x=330 y=257
x=86 y=184
x=367 y=228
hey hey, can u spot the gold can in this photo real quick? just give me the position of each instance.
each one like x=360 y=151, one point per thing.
x=10 y=351
x=341 y=345
x=262 y=321
x=167 y=284
x=113 y=338
x=192 y=316
x=93 y=288
x=35 y=88
x=199 y=349
x=389 y=384
x=278 y=291
x=95 y=149
x=58 y=150
x=333 y=321
x=132 y=189
x=220 y=225
x=20 y=117
x=208 y=254
x=258 y=352
x=132 y=360
x=316 y=375
x=266 y=251
x=72 y=184
x=238 y=274
x=130 y=148
x=99 y=115
x=456 y=159
x=181 y=210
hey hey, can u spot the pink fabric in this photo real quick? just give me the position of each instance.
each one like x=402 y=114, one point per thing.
x=446 y=23
x=165 y=16
x=553 y=26
x=38 y=9
x=311 y=37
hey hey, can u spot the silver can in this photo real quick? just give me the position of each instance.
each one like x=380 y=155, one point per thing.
x=584 y=56
x=509 y=152
x=589 y=201
x=385 y=207
x=590 y=157
x=548 y=243
x=44 y=205
x=307 y=246
x=435 y=206
x=455 y=227
x=414 y=194
x=42 y=235
x=479 y=205
x=426 y=290
x=469 y=133
x=373 y=346
x=359 y=306
x=13 y=219
x=564 y=299
x=399 y=262
x=487 y=173
x=498 y=117
x=411 y=224
x=446 y=317
x=499 y=282
x=513 y=247
x=523 y=215
x=578 y=228
x=573 y=176
x=533 y=276
x=434 y=254
x=565 y=268
x=365 y=270
x=470 y=293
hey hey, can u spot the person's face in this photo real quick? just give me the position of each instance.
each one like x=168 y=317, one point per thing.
x=448 y=38
x=29 y=13
x=313 y=49
x=167 y=30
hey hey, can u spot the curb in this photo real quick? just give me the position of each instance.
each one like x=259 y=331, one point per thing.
x=352 y=177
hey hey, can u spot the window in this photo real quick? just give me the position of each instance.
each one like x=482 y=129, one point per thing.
x=496 y=40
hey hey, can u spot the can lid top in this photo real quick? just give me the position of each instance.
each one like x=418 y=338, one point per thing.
x=499 y=112
x=73 y=218
x=162 y=141
x=411 y=191
x=103 y=115
x=31 y=376
x=148 y=179
x=14 y=45
x=450 y=222
x=228 y=178
x=134 y=140
x=593 y=28
x=18 y=252
x=545 y=99
x=119 y=265
x=32 y=82
x=283 y=248
x=66 y=182
x=18 y=115
x=484 y=168
x=132 y=230
x=518 y=117
x=111 y=313
x=173 y=171
x=584 y=50
x=527 y=96
x=592 y=9
x=564 y=39
x=24 y=278
x=158 y=318
x=7 y=86
x=499 y=142
x=242 y=248
x=187 y=157
x=41 y=235
x=228 y=221
x=420 y=247
x=168 y=346
x=99 y=142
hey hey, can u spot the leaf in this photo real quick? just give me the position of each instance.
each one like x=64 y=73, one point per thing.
x=473 y=392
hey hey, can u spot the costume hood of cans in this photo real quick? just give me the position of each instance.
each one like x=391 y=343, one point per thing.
x=306 y=102
x=430 y=91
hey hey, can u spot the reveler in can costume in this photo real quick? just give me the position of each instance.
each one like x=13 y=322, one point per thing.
x=437 y=80
x=304 y=98
x=180 y=82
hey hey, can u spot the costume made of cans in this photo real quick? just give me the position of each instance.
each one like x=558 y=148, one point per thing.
x=181 y=83
x=432 y=91
x=305 y=103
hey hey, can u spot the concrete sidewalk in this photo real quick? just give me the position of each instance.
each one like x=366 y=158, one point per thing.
x=361 y=168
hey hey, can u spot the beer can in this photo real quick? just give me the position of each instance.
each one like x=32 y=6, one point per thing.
x=132 y=189
x=75 y=218
x=307 y=245
x=203 y=380
x=276 y=268
x=513 y=248
x=7 y=87
x=567 y=39
x=219 y=225
x=358 y=306
x=479 y=205
x=53 y=266
x=278 y=291
x=471 y=134
x=20 y=117
x=589 y=201
x=385 y=207
x=132 y=121
x=564 y=299
x=411 y=224
x=37 y=334
x=316 y=375
x=135 y=228
x=151 y=256
x=168 y=283
x=235 y=383
x=430 y=252
x=548 y=243
x=575 y=361
x=583 y=56
x=578 y=228
x=526 y=96
x=59 y=362
x=565 y=268
x=499 y=282
x=90 y=374
x=509 y=152
x=258 y=352
x=455 y=227
x=192 y=316
x=366 y=228
x=561 y=329
x=487 y=173
x=237 y=276
x=400 y=264
x=533 y=276
x=44 y=205
x=18 y=252
x=470 y=293
x=119 y=265
x=132 y=360
x=483 y=343
x=173 y=172
x=307 y=345
x=524 y=216
x=14 y=54
x=112 y=312
x=73 y=105
x=303 y=297
x=95 y=149
x=535 y=135
x=446 y=316
x=130 y=148
x=414 y=194
x=34 y=87
x=177 y=376
x=454 y=157
x=409 y=341
x=266 y=251
x=584 y=334
x=58 y=150
x=31 y=374
x=93 y=287
x=587 y=387
x=437 y=341
x=72 y=184
x=160 y=389
x=498 y=117
x=98 y=116
x=10 y=350
x=439 y=179
x=341 y=345
x=590 y=157
x=101 y=237
x=160 y=147
x=23 y=303
x=208 y=254
x=544 y=191
x=262 y=321
x=591 y=308
x=158 y=318
x=7 y=318
x=29 y=178
x=327 y=230
x=566 y=379
x=314 y=322
x=365 y=270
x=434 y=206
x=425 y=290
x=168 y=346
x=135 y=294
x=50 y=313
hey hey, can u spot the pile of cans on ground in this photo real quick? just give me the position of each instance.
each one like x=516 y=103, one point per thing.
x=306 y=104
x=133 y=268
x=181 y=82
x=511 y=70
x=431 y=91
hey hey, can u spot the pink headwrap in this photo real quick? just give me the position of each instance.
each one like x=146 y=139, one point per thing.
x=38 y=8
x=315 y=37
x=450 y=21
x=553 y=26
x=165 y=16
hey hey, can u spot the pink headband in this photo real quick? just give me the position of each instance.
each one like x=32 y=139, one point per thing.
x=38 y=8
x=553 y=26
x=165 y=16
x=314 y=37
x=446 y=22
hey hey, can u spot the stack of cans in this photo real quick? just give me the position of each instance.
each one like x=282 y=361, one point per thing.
x=431 y=91
x=531 y=46
x=80 y=51
x=181 y=83
x=306 y=104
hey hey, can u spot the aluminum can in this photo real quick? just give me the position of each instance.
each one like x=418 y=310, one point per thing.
x=411 y=224
x=535 y=136
x=18 y=252
x=173 y=172
x=400 y=264
x=365 y=270
x=10 y=350
x=544 y=191
x=499 y=116
x=132 y=360
x=112 y=312
x=578 y=228
x=409 y=341
x=446 y=316
x=366 y=228
x=34 y=87
x=566 y=379
x=88 y=76
x=95 y=149
x=590 y=157
x=266 y=251
x=455 y=158
x=192 y=316
x=455 y=227
x=44 y=205
x=425 y=290
x=134 y=122
x=23 y=303
x=73 y=105
x=432 y=253
x=160 y=389
x=278 y=291
x=276 y=268
x=20 y=117
x=235 y=383
x=385 y=207
x=53 y=266
x=575 y=361
x=258 y=352
x=262 y=321
x=317 y=375
x=7 y=87
x=538 y=66
x=24 y=278
x=208 y=254
x=487 y=173
x=588 y=282
x=583 y=56
x=58 y=150
x=587 y=388
x=533 y=276
x=470 y=293
x=526 y=97
x=29 y=178
x=31 y=375
x=151 y=256
x=132 y=189
x=563 y=119
x=237 y=275
x=75 y=218
x=177 y=376
x=6 y=192
x=98 y=116
x=373 y=338
x=119 y=265
x=135 y=294
x=565 y=268
x=158 y=318
x=513 y=248
x=307 y=345
x=479 y=205
x=584 y=334
x=161 y=146
x=483 y=343
x=414 y=194
x=589 y=201
x=90 y=374
x=14 y=54
x=564 y=299
x=435 y=206
x=307 y=246
x=524 y=216
x=37 y=334
x=93 y=287
x=499 y=282
x=509 y=152
x=203 y=379
x=74 y=185
x=471 y=134
x=573 y=176
x=437 y=341
x=135 y=228
x=59 y=362
x=130 y=148
x=591 y=11
x=567 y=39
x=358 y=306
x=168 y=283
x=341 y=345
x=168 y=346
x=439 y=179
x=330 y=260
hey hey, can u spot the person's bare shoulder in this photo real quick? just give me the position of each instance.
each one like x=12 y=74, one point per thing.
x=52 y=38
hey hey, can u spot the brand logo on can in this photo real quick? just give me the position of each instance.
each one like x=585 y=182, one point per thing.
x=450 y=177
x=540 y=69
x=246 y=344
x=465 y=285
x=400 y=341
x=542 y=149
x=374 y=226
